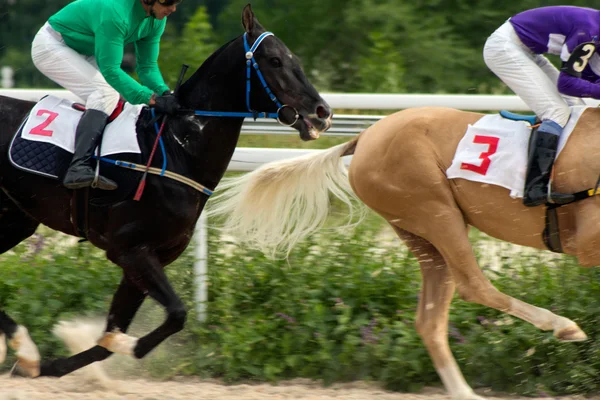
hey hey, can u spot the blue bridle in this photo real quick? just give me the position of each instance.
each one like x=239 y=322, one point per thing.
x=251 y=62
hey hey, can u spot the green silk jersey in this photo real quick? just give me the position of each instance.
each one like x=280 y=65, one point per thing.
x=102 y=28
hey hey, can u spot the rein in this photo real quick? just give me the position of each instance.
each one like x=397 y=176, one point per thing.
x=250 y=63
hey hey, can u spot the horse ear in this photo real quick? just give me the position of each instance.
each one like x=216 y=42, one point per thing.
x=250 y=22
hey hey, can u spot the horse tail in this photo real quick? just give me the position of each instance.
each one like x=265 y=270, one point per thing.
x=277 y=205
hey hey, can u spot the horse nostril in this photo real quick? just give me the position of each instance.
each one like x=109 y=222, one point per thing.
x=323 y=112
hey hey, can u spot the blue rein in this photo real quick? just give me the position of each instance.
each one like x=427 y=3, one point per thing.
x=251 y=62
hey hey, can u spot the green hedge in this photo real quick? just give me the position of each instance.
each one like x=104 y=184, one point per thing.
x=341 y=308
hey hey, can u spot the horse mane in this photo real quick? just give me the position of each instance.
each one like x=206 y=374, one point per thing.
x=197 y=76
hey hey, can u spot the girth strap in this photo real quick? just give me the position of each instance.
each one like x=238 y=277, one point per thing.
x=551 y=234
x=80 y=212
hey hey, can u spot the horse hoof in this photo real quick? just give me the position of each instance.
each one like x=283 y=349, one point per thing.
x=118 y=342
x=25 y=369
x=571 y=334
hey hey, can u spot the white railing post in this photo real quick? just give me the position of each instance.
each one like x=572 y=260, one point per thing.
x=200 y=267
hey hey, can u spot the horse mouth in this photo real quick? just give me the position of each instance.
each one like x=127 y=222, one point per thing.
x=311 y=127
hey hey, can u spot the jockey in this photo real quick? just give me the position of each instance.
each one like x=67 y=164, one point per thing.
x=514 y=52
x=81 y=48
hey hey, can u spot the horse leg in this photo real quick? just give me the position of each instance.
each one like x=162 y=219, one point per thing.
x=126 y=301
x=432 y=315
x=144 y=268
x=453 y=243
x=16 y=226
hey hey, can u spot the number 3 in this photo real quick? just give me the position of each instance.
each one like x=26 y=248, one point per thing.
x=492 y=143
x=580 y=64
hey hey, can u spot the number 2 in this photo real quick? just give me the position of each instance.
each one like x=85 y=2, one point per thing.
x=492 y=143
x=41 y=128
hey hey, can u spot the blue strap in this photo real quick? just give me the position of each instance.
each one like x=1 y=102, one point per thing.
x=160 y=141
x=250 y=62
x=235 y=114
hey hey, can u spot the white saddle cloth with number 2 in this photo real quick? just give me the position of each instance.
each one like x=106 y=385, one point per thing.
x=53 y=120
x=494 y=151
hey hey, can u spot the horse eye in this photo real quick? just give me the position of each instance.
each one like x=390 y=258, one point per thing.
x=275 y=62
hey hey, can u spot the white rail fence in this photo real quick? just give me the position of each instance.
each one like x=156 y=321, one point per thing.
x=248 y=159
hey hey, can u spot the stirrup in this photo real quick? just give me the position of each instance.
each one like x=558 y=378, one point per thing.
x=558 y=198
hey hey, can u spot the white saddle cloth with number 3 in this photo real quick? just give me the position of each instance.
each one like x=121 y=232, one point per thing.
x=494 y=151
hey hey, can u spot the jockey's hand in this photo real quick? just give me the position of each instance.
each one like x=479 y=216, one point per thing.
x=166 y=104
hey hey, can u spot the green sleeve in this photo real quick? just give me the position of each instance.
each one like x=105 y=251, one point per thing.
x=146 y=51
x=110 y=44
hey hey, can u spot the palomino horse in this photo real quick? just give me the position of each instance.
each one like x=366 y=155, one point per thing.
x=399 y=170
x=144 y=236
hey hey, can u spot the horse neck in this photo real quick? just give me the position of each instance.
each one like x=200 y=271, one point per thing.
x=219 y=84
x=207 y=142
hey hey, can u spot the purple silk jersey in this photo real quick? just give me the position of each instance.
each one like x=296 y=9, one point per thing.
x=558 y=30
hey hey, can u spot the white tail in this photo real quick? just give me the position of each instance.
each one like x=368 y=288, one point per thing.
x=277 y=205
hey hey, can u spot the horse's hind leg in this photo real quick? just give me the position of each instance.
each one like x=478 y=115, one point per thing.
x=15 y=226
x=432 y=315
x=453 y=243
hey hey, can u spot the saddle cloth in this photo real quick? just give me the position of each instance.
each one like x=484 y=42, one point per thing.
x=46 y=138
x=494 y=151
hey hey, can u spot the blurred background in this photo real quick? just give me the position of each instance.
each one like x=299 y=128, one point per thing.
x=342 y=306
x=383 y=46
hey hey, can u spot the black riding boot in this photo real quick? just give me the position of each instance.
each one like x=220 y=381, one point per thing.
x=81 y=172
x=542 y=152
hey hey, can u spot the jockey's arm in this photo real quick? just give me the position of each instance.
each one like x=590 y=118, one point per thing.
x=110 y=44
x=146 y=52
x=577 y=87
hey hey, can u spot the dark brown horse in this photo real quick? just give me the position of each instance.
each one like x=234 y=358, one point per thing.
x=399 y=169
x=142 y=237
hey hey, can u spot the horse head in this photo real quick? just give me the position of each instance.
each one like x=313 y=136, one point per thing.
x=284 y=76
x=258 y=75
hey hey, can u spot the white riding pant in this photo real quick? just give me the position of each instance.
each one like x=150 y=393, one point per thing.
x=531 y=76
x=73 y=71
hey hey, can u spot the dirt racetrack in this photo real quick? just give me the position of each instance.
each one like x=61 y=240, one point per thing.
x=76 y=387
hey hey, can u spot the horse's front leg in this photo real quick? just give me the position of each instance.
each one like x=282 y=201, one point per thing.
x=126 y=301
x=143 y=268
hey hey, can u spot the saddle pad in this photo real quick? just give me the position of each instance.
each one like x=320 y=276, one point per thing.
x=494 y=151
x=53 y=120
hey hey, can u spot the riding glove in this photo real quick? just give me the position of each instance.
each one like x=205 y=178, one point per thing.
x=166 y=104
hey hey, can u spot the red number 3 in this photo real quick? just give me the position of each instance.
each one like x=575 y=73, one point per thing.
x=41 y=128
x=492 y=143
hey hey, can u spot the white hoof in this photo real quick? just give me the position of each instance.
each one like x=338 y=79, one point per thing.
x=118 y=342
x=572 y=333
x=26 y=351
